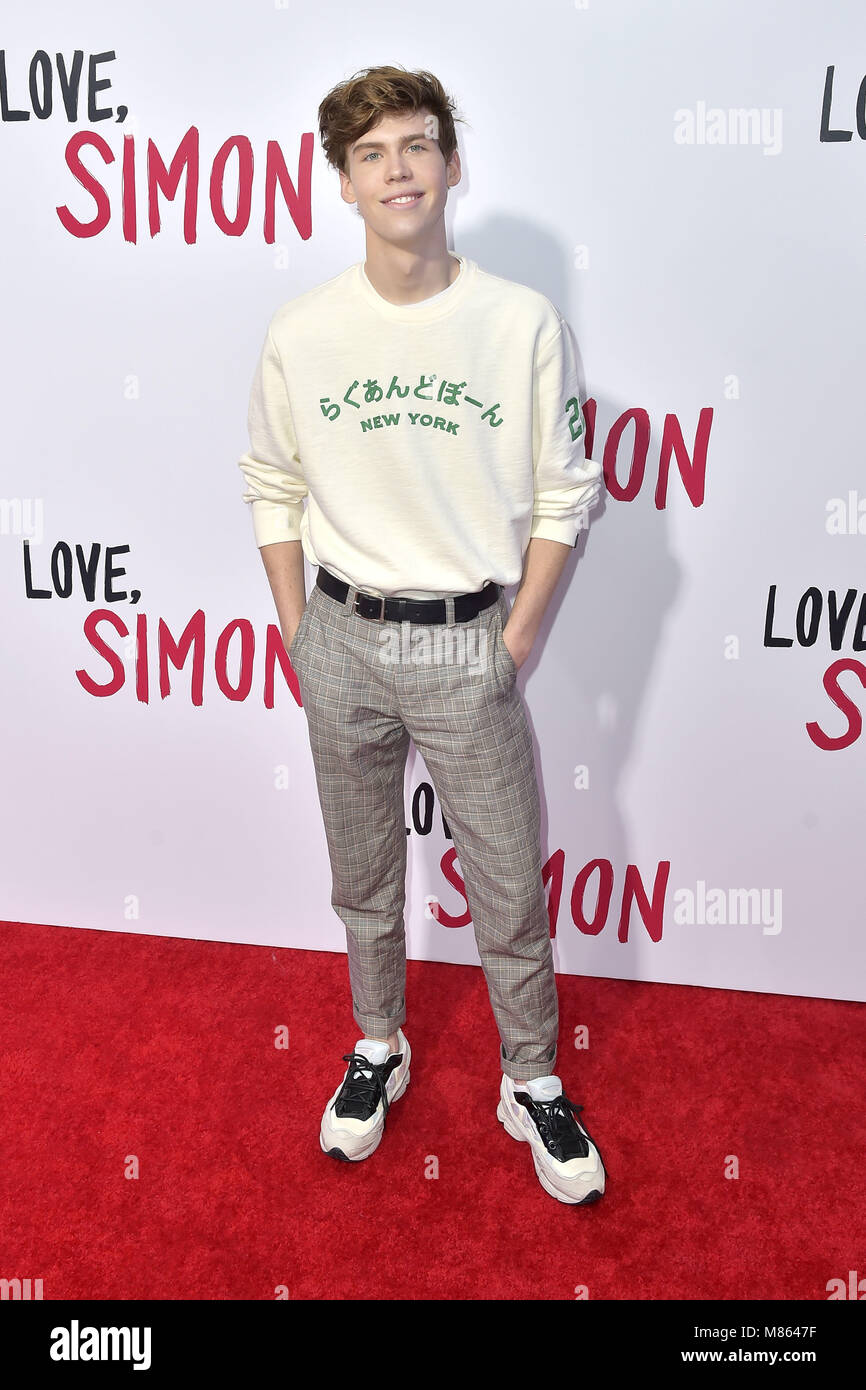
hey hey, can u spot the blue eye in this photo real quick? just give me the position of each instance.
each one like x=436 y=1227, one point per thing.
x=416 y=146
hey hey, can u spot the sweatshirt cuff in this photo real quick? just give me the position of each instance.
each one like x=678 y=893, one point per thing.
x=551 y=528
x=276 y=521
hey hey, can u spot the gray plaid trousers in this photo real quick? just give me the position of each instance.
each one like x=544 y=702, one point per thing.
x=363 y=701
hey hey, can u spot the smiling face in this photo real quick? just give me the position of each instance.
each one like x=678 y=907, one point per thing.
x=399 y=179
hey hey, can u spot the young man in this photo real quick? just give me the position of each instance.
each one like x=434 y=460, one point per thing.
x=428 y=412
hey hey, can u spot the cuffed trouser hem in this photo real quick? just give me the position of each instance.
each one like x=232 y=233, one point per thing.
x=374 y=1026
x=527 y=1071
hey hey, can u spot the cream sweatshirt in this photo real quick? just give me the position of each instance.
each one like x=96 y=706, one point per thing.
x=431 y=441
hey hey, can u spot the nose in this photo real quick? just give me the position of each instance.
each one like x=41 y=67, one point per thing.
x=398 y=167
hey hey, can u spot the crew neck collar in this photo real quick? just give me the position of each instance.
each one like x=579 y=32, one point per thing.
x=425 y=310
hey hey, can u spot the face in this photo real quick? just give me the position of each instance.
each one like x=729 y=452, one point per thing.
x=400 y=158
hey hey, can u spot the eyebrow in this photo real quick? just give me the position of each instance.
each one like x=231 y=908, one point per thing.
x=379 y=144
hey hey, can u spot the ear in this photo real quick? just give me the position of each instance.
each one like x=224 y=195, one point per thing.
x=347 y=192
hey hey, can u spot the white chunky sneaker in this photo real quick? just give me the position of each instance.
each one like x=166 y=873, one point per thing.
x=354 y=1118
x=568 y=1164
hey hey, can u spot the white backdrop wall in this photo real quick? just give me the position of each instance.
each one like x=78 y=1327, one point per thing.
x=702 y=787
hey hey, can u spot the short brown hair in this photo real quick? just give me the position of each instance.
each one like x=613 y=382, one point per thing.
x=353 y=107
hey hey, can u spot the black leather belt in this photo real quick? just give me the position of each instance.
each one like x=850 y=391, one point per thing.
x=412 y=610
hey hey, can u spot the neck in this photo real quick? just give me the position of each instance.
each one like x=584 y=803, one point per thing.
x=403 y=275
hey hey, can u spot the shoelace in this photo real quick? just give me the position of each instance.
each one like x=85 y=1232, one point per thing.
x=370 y=1088
x=556 y=1122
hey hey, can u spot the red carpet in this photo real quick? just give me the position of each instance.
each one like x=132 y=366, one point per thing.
x=117 y=1045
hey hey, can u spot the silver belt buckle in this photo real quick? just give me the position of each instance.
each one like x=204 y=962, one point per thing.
x=377 y=617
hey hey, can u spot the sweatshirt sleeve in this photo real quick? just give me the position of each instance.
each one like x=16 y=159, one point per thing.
x=275 y=485
x=567 y=483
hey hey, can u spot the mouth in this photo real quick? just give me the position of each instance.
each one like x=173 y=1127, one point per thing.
x=402 y=200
